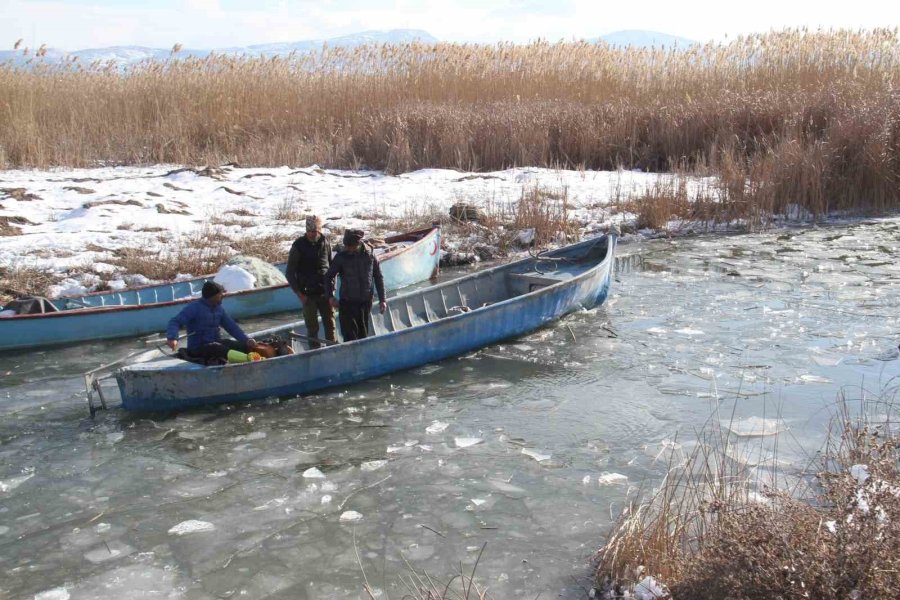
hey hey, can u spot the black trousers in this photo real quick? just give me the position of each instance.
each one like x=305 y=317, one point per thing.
x=215 y=352
x=354 y=318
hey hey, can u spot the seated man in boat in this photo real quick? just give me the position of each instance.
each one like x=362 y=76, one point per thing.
x=359 y=270
x=308 y=261
x=202 y=320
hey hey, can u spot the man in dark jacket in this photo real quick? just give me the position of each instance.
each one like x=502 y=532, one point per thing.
x=358 y=269
x=202 y=319
x=308 y=261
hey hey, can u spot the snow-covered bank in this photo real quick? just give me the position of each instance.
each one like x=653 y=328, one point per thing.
x=72 y=220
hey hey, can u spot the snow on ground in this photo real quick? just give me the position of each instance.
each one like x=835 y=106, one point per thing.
x=72 y=219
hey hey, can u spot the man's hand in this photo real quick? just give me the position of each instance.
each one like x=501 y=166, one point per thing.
x=251 y=344
x=173 y=344
x=382 y=306
x=302 y=297
x=333 y=302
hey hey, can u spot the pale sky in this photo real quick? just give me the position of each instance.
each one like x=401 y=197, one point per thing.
x=79 y=24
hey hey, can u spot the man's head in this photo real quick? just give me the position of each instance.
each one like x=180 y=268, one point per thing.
x=212 y=292
x=313 y=227
x=352 y=238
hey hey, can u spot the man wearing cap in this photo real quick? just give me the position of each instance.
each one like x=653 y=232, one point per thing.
x=359 y=270
x=308 y=261
x=202 y=319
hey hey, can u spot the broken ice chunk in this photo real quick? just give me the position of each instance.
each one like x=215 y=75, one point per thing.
x=465 y=442
x=437 y=427
x=535 y=454
x=191 y=526
x=611 y=478
x=372 y=465
x=351 y=516
x=313 y=473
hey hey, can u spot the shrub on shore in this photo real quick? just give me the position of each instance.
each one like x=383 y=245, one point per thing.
x=708 y=535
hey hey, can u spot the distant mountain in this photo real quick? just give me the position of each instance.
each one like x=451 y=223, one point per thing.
x=644 y=39
x=126 y=55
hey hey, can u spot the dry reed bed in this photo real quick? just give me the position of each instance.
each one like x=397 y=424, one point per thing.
x=707 y=534
x=802 y=117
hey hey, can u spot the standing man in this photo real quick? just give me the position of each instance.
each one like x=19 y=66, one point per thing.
x=308 y=262
x=358 y=269
x=202 y=319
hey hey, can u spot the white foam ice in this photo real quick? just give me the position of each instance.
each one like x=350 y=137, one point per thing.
x=313 y=473
x=535 y=454
x=191 y=526
x=437 y=427
x=351 y=516
x=466 y=442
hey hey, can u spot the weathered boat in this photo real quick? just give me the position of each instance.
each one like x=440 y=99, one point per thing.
x=419 y=327
x=409 y=258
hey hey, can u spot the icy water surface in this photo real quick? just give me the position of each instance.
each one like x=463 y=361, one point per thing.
x=527 y=448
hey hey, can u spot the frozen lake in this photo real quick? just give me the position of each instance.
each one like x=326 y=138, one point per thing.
x=530 y=446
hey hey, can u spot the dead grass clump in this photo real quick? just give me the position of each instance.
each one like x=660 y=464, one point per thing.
x=19 y=280
x=289 y=210
x=708 y=537
x=272 y=248
x=170 y=261
x=546 y=212
x=198 y=254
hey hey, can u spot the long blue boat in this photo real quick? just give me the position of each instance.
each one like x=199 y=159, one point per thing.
x=137 y=311
x=419 y=327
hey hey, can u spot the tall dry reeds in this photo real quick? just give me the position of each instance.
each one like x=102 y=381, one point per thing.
x=802 y=117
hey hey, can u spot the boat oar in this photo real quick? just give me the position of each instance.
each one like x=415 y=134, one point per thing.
x=313 y=339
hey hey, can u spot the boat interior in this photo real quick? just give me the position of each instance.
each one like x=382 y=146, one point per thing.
x=472 y=293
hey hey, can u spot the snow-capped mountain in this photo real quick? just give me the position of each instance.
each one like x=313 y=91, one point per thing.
x=643 y=39
x=126 y=55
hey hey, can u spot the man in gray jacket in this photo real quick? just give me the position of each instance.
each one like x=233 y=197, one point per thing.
x=359 y=270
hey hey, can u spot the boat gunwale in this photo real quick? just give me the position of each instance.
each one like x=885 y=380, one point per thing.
x=189 y=367
x=93 y=310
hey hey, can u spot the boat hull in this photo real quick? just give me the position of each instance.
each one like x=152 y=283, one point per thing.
x=146 y=310
x=182 y=385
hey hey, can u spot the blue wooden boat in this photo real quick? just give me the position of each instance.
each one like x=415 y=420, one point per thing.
x=409 y=258
x=419 y=327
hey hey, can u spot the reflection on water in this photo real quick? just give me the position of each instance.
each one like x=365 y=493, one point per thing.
x=529 y=446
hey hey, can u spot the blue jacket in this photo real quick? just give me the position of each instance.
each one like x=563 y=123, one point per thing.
x=202 y=321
